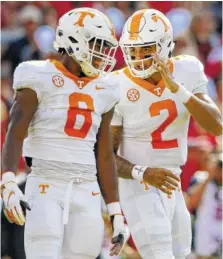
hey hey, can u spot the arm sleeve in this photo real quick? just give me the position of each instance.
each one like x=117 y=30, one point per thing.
x=117 y=119
x=201 y=81
x=26 y=76
x=113 y=84
x=111 y=106
x=113 y=97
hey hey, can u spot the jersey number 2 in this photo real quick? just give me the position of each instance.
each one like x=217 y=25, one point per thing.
x=154 y=110
x=75 y=110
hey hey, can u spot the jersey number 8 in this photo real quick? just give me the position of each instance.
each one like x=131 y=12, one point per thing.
x=75 y=110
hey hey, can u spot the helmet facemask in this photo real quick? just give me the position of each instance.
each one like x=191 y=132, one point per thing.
x=100 y=58
x=131 y=63
x=94 y=60
x=162 y=51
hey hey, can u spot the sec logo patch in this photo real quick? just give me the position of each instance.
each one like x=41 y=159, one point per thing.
x=133 y=95
x=58 y=81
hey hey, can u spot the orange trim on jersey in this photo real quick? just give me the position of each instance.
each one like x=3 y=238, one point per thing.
x=81 y=82
x=154 y=89
x=135 y=24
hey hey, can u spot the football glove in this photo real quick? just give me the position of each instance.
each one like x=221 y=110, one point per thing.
x=120 y=231
x=14 y=201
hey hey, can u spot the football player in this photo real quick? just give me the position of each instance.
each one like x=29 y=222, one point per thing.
x=158 y=94
x=61 y=110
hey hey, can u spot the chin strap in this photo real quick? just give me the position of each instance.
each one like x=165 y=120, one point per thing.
x=146 y=73
x=88 y=69
x=153 y=70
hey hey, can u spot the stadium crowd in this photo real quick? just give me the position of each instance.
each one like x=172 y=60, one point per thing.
x=27 y=33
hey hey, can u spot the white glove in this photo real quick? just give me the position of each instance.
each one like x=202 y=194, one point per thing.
x=120 y=231
x=13 y=198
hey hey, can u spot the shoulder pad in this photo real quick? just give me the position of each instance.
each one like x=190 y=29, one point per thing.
x=189 y=63
x=28 y=75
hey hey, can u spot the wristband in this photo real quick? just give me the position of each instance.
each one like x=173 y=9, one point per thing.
x=114 y=208
x=138 y=172
x=8 y=177
x=183 y=95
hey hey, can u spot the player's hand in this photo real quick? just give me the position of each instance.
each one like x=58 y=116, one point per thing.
x=162 y=179
x=13 y=200
x=120 y=234
x=166 y=74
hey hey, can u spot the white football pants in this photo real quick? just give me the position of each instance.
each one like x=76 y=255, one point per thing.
x=53 y=203
x=160 y=226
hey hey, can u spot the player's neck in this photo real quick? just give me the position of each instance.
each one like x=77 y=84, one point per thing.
x=71 y=65
x=154 y=79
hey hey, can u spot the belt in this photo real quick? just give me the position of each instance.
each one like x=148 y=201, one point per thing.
x=68 y=194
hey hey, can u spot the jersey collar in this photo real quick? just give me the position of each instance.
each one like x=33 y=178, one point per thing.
x=85 y=80
x=154 y=89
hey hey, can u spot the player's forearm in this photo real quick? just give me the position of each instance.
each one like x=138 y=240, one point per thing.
x=108 y=179
x=12 y=148
x=11 y=153
x=207 y=115
x=21 y=114
x=124 y=167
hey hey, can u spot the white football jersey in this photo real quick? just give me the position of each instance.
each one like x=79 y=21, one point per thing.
x=155 y=123
x=69 y=113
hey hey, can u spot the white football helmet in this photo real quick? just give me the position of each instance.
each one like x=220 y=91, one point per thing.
x=146 y=27
x=80 y=26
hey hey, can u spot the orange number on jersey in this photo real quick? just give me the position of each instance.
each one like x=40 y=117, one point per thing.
x=75 y=110
x=154 y=110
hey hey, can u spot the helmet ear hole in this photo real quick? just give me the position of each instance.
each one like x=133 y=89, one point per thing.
x=60 y=33
x=170 y=54
x=61 y=51
x=70 y=50
x=72 y=39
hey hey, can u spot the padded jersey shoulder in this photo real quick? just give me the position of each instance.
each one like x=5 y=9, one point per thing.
x=29 y=75
x=189 y=64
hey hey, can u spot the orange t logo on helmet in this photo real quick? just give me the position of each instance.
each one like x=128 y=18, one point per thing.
x=134 y=26
x=156 y=17
x=82 y=16
x=112 y=29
